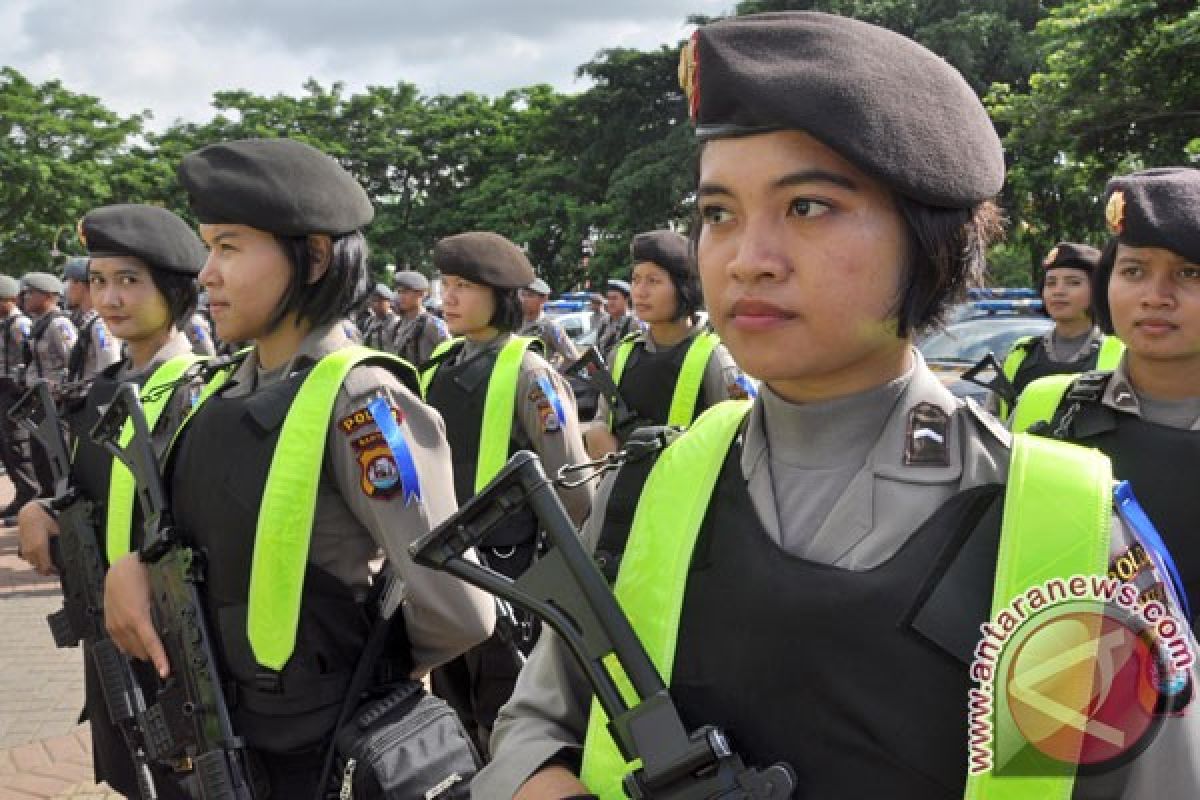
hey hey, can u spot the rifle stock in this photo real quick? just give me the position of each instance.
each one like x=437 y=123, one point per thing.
x=591 y=367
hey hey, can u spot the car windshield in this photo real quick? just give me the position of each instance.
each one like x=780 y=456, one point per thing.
x=967 y=342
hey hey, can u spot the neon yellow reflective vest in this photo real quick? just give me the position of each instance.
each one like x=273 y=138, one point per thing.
x=687 y=385
x=1057 y=516
x=1111 y=350
x=498 y=407
x=1040 y=400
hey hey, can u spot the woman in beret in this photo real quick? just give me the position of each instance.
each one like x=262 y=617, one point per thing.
x=498 y=394
x=1075 y=343
x=142 y=279
x=676 y=368
x=1145 y=413
x=843 y=529
x=287 y=261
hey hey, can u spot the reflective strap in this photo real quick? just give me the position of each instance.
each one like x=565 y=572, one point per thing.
x=1057 y=522
x=289 y=501
x=654 y=568
x=427 y=375
x=618 y=368
x=498 y=409
x=1039 y=401
x=691 y=377
x=1111 y=350
x=121 y=487
x=1012 y=363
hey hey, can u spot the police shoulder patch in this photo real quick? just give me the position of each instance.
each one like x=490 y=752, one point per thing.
x=548 y=418
x=925 y=441
x=361 y=417
x=379 y=476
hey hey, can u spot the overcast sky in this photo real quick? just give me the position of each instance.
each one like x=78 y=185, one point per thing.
x=169 y=56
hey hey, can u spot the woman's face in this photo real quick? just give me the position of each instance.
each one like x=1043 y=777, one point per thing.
x=124 y=295
x=246 y=275
x=801 y=257
x=467 y=306
x=654 y=296
x=1154 y=299
x=1067 y=294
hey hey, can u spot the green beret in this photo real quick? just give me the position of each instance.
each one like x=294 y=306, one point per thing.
x=76 y=269
x=539 y=286
x=411 y=279
x=892 y=108
x=667 y=249
x=43 y=282
x=10 y=287
x=151 y=234
x=483 y=257
x=281 y=186
x=382 y=290
x=1157 y=208
x=1072 y=254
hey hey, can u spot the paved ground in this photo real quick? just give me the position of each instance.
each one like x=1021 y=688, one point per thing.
x=43 y=752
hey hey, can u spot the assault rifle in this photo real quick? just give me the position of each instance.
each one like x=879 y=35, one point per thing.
x=189 y=720
x=591 y=367
x=77 y=555
x=566 y=590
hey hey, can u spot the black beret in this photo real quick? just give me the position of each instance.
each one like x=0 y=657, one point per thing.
x=411 y=279
x=76 y=269
x=484 y=257
x=539 y=286
x=1157 y=208
x=281 y=186
x=618 y=285
x=667 y=249
x=149 y=233
x=893 y=108
x=1072 y=254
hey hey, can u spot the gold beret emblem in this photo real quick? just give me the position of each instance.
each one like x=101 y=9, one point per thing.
x=79 y=232
x=689 y=77
x=1050 y=258
x=1115 y=212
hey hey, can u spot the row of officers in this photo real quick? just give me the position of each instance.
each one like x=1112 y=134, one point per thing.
x=835 y=537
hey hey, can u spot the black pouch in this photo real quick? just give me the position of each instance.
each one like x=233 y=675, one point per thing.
x=404 y=745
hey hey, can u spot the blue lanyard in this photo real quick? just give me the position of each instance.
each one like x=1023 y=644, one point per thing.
x=553 y=399
x=1135 y=517
x=381 y=412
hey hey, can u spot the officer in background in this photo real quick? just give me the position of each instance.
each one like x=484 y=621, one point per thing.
x=618 y=321
x=1145 y=413
x=379 y=327
x=596 y=306
x=676 y=368
x=485 y=368
x=14 y=328
x=560 y=350
x=52 y=335
x=417 y=332
x=95 y=346
x=1075 y=343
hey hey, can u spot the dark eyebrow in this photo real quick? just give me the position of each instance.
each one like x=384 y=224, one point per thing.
x=792 y=179
x=220 y=237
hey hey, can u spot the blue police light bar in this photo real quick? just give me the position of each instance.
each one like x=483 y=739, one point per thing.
x=1000 y=293
x=994 y=306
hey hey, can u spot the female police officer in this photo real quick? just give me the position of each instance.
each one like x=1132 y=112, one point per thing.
x=1075 y=343
x=828 y=604
x=497 y=396
x=287 y=262
x=676 y=368
x=1145 y=414
x=142 y=282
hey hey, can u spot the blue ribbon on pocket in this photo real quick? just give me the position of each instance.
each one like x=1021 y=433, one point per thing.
x=552 y=398
x=1139 y=522
x=381 y=411
x=747 y=385
x=100 y=331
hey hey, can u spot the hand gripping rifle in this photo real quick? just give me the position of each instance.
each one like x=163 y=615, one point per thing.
x=591 y=368
x=566 y=590
x=189 y=720
x=77 y=553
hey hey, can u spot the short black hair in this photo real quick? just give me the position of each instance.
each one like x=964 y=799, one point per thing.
x=179 y=289
x=509 y=316
x=345 y=284
x=1101 y=313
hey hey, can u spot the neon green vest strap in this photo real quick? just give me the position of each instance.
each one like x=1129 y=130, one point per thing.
x=427 y=375
x=498 y=409
x=687 y=385
x=1040 y=400
x=289 y=501
x=1111 y=350
x=618 y=367
x=1057 y=521
x=121 y=486
x=654 y=568
x=1012 y=363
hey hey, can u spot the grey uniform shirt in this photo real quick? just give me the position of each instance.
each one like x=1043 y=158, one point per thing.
x=101 y=348
x=613 y=330
x=1063 y=349
x=355 y=520
x=377 y=334
x=873 y=509
x=723 y=379
x=536 y=425
x=15 y=328
x=414 y=338
x=1120 y=395
x=51 y=350
x=560 y=350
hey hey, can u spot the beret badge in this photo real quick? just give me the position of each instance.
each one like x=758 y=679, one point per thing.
x=1050 y=258
x=79 y=232
x=1115 y=212
x=689 y=75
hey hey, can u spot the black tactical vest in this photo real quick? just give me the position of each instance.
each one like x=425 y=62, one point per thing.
x=648 y=382
x=1038 y=364
x=36 y=332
